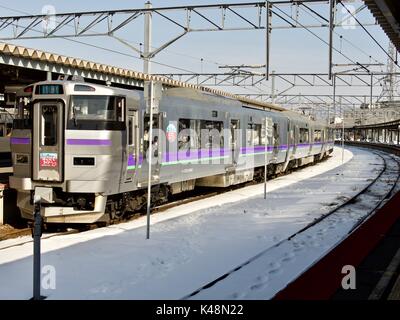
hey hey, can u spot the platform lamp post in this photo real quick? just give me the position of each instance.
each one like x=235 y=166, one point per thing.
x=148 y=89
x=41 y=196
x=37 y=234
x=342 y=136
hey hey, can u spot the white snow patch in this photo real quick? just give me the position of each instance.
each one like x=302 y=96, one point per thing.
x=194 y=243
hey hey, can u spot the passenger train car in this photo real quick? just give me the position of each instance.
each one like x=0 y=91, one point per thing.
x=5 y=132
x=87 y=145
x=12 y=94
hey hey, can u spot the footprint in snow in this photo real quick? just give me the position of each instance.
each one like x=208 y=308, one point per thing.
x=274 y=271
x=262 y=278
x=289 y=256
x=258 y=286
x=237 y=295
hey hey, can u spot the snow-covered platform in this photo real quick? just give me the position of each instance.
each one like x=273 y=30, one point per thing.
x=196 y=243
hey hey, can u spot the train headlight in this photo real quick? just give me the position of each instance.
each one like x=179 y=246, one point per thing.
x=21 y=158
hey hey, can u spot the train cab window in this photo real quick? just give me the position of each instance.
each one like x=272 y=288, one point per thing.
x=304 y=135
x=49 y=126
x=104 y=108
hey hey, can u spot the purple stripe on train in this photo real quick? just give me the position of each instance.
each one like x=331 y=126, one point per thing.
x=257 y=149
x=194 y=154
x=89 y=142
x=15 y=140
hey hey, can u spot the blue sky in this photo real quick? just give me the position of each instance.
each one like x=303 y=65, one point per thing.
x=292 y=50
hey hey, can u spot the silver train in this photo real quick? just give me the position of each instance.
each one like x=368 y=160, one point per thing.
x=87 y=147
x=5 y=133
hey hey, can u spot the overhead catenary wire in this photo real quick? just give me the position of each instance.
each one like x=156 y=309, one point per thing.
x=321 y=39
x=341 y=37
x=140 y=58
x=370 y=35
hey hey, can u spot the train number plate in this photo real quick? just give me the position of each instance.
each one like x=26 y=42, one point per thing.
x=48 y=159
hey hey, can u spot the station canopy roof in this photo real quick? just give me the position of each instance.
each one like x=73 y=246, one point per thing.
x=33 y=59
x=387 y=13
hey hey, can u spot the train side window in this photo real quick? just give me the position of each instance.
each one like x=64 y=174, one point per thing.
x=188 y=133
x=276 y=134
x=317 y=135
x=184 y=134
x=249 y=134
x=257 y=134
x=254 y=135
x=263 y=134
x=211 y=134
x=304 y=135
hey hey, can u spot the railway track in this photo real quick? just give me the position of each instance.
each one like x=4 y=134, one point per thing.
x=180 y=199
x=377 y=192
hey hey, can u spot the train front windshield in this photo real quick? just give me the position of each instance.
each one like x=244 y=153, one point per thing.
x=90 y=107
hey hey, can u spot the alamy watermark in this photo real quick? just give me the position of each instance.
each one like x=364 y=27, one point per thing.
x=48 y=277
x=348 y=13
x=349 y=280
x=49 y=22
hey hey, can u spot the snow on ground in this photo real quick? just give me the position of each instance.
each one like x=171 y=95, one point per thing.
x=192 y=244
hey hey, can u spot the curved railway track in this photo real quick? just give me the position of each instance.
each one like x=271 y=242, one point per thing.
x=373 y=191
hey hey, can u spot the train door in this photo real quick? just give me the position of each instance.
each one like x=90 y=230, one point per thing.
x=156 y=157
x=310 y=140
x=323 y=144
x=131 y=152
x=234 y=138
x=48 y=141
x=296 y=139
x=291 y=140
x=276 y=140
